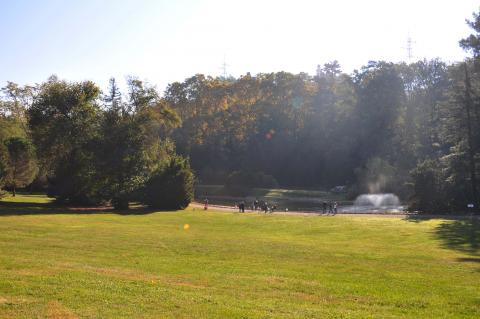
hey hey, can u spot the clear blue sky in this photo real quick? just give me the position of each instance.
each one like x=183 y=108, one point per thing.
x=165 y=41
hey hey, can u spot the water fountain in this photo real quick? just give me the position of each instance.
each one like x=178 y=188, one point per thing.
x=377 y=200
x=375 y=203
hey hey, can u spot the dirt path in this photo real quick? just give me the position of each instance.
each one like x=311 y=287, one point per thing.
x=198 y=205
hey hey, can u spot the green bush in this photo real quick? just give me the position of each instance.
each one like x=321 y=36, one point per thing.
x=171 y=187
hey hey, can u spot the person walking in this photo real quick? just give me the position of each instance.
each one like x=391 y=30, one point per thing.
x=205 y=204
x=335 y=207
x=273 y=208
x=242 y=207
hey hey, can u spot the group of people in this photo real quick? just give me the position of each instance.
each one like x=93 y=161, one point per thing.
x=257 y=206
x=330 y=208
x=327 y=208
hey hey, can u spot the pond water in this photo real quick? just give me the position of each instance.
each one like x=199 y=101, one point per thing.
x=366 y=203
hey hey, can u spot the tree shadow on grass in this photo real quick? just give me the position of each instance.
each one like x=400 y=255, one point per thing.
x=462 y=235
x=15 y=208
x=469 y=259
x=26 y=208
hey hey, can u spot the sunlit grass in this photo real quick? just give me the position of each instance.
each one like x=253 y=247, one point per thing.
x=228 y=265
x=23 y=198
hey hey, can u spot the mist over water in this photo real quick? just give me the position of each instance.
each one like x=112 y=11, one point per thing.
x=375 y=203
x=377 y=200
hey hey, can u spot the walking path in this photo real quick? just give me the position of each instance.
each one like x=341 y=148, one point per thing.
x=198 y=205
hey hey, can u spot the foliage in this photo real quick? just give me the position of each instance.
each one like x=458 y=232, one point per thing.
x=3 y=172
x=241 y=182
x=171 y=187
x=122 y=157
x=92 y=153
x=452 y=182
x=429 y=191
x=22 y=167
x=64 y=120
x=472 y=42
x=131 y=147
x=74 y=179
x=9 y=127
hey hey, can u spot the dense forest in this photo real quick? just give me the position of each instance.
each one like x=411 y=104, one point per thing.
x=407 y=128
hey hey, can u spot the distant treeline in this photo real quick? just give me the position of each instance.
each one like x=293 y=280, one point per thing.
x=411 y=129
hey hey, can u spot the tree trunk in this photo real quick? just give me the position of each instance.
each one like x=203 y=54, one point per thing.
x=471 y=151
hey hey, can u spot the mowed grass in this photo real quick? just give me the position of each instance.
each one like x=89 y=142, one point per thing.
x=55 y=263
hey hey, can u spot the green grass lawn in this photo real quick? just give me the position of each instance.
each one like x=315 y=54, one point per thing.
x=56 y=263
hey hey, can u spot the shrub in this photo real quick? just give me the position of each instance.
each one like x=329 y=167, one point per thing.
x=171 y=187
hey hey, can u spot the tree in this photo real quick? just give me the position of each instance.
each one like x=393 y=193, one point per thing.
x=468 y=102
x=16 y=101
x=10 y=127
x=122 y=157
x=130 y=145
x=3 y=172
x=22 y=168
x=172 y=186
x=429 y=189
x=113 y=100
x=472 y=42
x=64 y=121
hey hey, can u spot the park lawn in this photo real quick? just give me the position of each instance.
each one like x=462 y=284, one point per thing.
x=55 y=263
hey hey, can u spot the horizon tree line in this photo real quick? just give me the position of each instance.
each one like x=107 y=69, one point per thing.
x=411 y=129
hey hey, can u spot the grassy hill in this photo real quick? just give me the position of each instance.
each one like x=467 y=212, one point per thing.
x=61 y=263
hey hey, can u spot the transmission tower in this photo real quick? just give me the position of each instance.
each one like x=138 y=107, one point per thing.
x=409 y=48
x=224 y=67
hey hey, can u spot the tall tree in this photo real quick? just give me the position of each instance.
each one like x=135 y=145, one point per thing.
x=64 y=119
x=22 y=167
x=472 y=42
x=471 y=146
x=131 y=145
